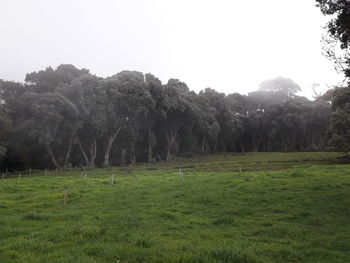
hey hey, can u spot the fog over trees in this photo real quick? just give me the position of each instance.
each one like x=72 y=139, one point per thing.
x=67 y=117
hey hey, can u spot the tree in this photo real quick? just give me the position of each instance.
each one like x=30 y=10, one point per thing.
x=180 y=112
x=89 y=98
x=340 y=127
x=338 y=29
x=280 y=88
x=49 y=80
x=68 y=116
x=9 y=91
x=129 y=104
x=48 y=88
x=40 y=119
x=156 y=112
x=207 y=127
x=5 y=126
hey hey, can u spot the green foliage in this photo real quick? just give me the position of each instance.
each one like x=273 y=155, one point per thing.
x=82 y=120
x=339 y=31
x=340 y=126
x=285 y=88
x=339 y=34
x=5 y=127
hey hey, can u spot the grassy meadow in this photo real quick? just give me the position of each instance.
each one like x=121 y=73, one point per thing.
x=258 y=207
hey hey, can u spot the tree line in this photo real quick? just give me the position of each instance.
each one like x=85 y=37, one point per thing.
x=68 y=117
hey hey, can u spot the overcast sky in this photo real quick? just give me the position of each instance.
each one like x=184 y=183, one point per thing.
x=228 y=45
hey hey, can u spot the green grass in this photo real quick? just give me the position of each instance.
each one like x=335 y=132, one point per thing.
x=282 y=207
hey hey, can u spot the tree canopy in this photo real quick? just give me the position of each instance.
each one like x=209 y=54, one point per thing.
x=338 y=29
x=69 y=117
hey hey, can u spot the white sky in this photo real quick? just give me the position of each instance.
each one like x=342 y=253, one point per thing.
x=228 y=45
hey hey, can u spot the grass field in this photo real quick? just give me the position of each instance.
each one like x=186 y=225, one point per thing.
x=281 y=207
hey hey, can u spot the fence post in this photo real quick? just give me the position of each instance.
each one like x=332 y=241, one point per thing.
x=181 y=175
x=65 y=196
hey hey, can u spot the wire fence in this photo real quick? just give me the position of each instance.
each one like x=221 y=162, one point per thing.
x=83 y=179
x=13 y=191
x=220 y=167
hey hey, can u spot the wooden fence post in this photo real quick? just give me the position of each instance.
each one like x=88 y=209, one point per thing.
x=181 y=175
x=65 y=196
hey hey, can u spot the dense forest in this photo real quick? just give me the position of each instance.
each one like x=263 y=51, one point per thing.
x=68 y=117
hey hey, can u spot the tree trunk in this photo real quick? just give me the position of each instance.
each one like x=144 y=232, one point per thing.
x=233 y=145
x=150 y=158
x=254 y=145
x=109 y=147
x=168 y=153
x=242 y=149
x=171 y=136
x=52 y=156
x=83 y=152
x=290 y=145
x=286 y=144
x=215 y=147
x=93 y=151
x=68 y=152
x=203 y=144
x=123 y=160
x=132 y=164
